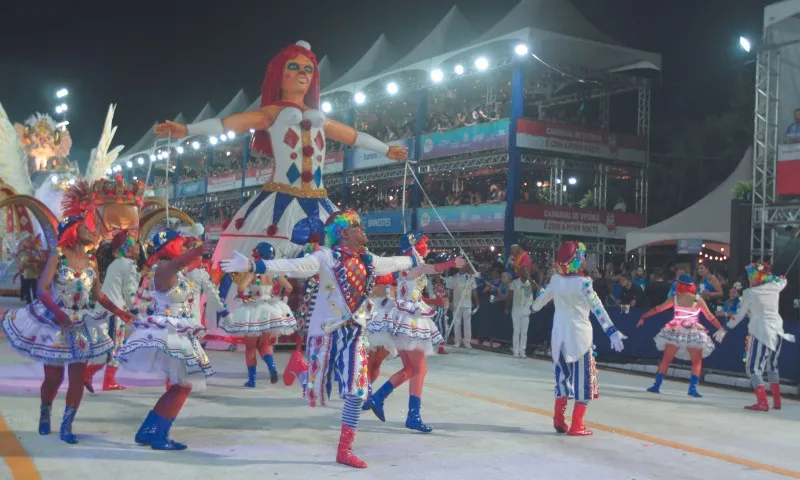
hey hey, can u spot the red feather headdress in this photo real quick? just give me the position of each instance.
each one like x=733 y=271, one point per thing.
x=78 y=201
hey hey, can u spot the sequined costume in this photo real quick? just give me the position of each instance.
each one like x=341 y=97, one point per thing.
x=571 y=341
x=685 y=332
x=33 y=331
x=165 y=339
x=261 y=312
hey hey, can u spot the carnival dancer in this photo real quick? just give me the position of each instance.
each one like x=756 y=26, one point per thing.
x=297 y=364
x=406 y=326
x=31 y=259
x=62 y=327
x=465 y=303
x=683 y=337
x=574 y=298
x=263 y=316
x=291 y=128
x=120 y=283
x=165 y=339
x=521 y=291
x=336 y=325
x=760 y=303
x=436 y=296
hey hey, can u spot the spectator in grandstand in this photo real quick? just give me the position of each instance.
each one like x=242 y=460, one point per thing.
x=792 y=134
x=631 y=294
x=658 y=289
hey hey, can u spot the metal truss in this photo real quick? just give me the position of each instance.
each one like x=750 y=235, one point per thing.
x=776 y=216
x=465 y=241
x=464 y=163
x=605 y=112
x=539 y=160
x=571 y=98
x=643 y=130
x=765 y=149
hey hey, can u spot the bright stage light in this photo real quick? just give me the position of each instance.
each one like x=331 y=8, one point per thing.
x=135 y=177
x=481 y=63
x=437 y=75
x=165 y=154
x=252 y=130
x=327 y=107
x=558 y=180
x=196 y=145
x=179 y=149
x=521 y=49
x=62 y=93
x=538 y=184
x=572 y=180
x=392 y=88
x=140 y=161
x=71 y=181
x=54 y=179
x=360 y=98
x=129 y=164
x=223 y=137
x=212 y=140
x=58 y=109
x=745 y=44
x=152 y=158
x=231 y=135
x=459 y=69
x=61 y=108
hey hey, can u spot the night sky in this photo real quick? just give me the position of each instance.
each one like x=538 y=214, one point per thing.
x=156 y=59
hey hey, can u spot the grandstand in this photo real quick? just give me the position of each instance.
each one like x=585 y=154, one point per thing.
x=512 y=129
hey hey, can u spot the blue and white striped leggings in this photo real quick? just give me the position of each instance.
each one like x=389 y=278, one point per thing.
x=760 y=360
x=574 y=378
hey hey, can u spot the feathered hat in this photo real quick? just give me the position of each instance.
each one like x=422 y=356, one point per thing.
x=569 y=258
x=79 y=201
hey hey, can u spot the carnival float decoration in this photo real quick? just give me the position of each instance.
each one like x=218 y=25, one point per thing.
x=46 y=143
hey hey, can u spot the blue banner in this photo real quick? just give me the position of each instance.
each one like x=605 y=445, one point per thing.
x=487 y=217
x=483 y=136
x=369 y=159
x=190 y=189
x=384 y=223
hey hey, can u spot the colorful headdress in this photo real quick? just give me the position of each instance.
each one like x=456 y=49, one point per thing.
x=167 y=243
x=122 y=242
x=685 y=284
x=337 y=223
x=271 y=87
x=758 y=272
x=416 y=239
x=78 y=201
x=569 y=258
x=68 y=230
x=116 y=191
x=264 y=251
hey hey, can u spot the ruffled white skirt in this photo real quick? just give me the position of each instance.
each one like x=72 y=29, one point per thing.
x=33 y=332
x=168 y=346
x=405 y=326
x=261 y=316
x=685 y=335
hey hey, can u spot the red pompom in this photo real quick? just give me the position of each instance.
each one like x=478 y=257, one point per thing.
x=272 y=230
x=307 y=177
x=239 y=223
x=225 y=224
x=305 y=124
x=308 y=150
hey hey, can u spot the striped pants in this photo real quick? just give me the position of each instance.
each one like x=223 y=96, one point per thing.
x=339 y=355
x=574 y=378
x=761 y=359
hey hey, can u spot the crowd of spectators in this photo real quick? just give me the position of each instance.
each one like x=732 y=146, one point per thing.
x=477 y=190
x=220 y=211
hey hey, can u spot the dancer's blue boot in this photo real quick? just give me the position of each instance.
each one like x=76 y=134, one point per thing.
x=273 y=370
x=251 y=377
x=375 y=402
x=656 y=388
x=160 y=439
x=66 y=426
x=44 y=419
x=145 y=434
x=414 y=419
x=693 y=380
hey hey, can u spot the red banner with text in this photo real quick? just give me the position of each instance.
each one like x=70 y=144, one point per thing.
x=563 y=138
x=575 y=221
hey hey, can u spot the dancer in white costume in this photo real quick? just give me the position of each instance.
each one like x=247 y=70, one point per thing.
x=292 y=129
x=760 y=303
x=262 y=317
x=336 y=343
x=407 y=326
x=572 y=293
x=165 y=339
x=519 y=305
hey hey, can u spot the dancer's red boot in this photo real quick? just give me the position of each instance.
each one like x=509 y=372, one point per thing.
x=558 y=415
x=442 y=351
x=345 y=454
x=578 y=429
x=110 y=379
x=761 y=405
x=90 y=371
x=294 y=368
x=775 y=388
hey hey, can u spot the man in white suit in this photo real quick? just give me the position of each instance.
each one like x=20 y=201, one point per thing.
x=340 y=313
x=571 y=291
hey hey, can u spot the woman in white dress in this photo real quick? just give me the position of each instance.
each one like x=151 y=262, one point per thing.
x=262 y=315
x=165 y=340
x=407 y=325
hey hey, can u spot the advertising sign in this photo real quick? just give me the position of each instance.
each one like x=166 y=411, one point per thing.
x=190 y=189
x=384 y=223
x=484 y=136
x=463 y=218
x=562 y=138
x=579 y=222
x=223 y=183
x=369 y=159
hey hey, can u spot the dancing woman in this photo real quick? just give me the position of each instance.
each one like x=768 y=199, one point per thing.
x=262 y=317
x=683 y=337
x=165 y=339
x=406 y=325
x=62 y=327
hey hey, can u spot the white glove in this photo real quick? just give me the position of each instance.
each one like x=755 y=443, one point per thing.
x=616 y=341
x=719 y=335
x=239 y=263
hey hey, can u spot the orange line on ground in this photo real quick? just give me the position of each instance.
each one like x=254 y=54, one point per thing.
x=626 y=433
x=17 y=459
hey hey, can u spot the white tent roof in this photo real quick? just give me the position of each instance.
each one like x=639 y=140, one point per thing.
x=326 y=71
x=206 y=113
x=554 y=30
x=709 y=219
x=238 y=104
x=374 y=61
x=146 y=142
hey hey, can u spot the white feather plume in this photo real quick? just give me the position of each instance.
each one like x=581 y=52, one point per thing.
x=195 y=230
x=13 y=160
x=102 y=158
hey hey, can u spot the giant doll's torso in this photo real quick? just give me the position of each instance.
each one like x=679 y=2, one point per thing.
x=298 y=147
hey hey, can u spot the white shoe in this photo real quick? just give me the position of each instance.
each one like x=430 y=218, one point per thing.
x=467 y=345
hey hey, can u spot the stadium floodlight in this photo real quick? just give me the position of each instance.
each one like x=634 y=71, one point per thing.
x=231 y=135
x=140 y=161
x=129 y=164
x=223 y=137
x=58 y=109
x=539 y=184
x=61 y=93
x=459 y=69
x=481 y=63
x=212 y=140
x=179 y=149
x=392 y=88
x=61 y=108
x=196 y=145
x=71 y=181
x=745 y=44
x=152 y=158
x=572 y=180
x=437 y=75
x=521 y=49
x=360 y=98
x=327 y=107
